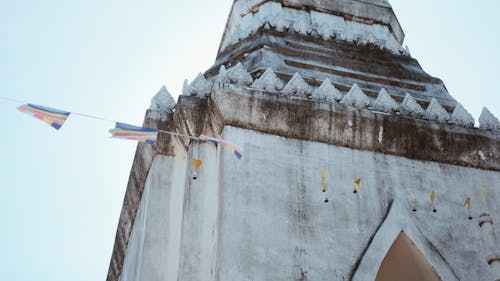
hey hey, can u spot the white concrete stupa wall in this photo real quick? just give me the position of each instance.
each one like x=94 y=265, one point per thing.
x=264 y=217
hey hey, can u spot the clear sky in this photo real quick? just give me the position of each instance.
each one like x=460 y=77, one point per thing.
x=61 y=191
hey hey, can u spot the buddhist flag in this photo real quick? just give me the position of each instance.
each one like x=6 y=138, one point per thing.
x=238 y=152
x=467 y=203
x=357 y=184
x=129 y=132
x=196 y=164
x=54 y=117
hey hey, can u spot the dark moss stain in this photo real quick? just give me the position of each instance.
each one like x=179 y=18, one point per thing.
x=402 y=136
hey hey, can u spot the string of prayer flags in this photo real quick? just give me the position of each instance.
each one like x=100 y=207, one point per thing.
x=238 y=152
x=324 y=184
x=432 y=197
x=357 y=185
x=129 y=132
x=54 y=117
x=196 y=164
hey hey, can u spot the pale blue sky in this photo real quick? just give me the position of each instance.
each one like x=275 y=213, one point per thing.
x=62 y=190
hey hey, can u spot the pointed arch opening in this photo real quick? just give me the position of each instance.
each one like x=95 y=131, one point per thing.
x=404 y=261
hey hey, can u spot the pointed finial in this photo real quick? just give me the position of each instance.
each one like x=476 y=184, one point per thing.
x=355 y=97
x=221 y=77
x=385 y=102
x=301 y=22
x=411 y=106
x=407 y=51
x=461 y=117
x=325 y=24
x=327 y=91
x=162 y=101
x=268 y=81
x=200 y=86
x=297 y=87
x=436 y=112
x=185 y=88
x=487 y=121
x=239 y=75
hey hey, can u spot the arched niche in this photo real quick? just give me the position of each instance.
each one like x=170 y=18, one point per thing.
x=404 y=261
x=398 y=221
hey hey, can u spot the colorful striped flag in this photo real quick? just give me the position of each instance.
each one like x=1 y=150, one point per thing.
x=53 y=117
x=129 y=132
x=238 y=152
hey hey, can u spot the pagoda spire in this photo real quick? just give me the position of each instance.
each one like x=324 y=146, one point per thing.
x=372 y=21
x=345 y=41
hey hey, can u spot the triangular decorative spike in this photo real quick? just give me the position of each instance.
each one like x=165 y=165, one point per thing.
x=185 y=88
x=269 y=82
x=221 y=78
x=407 y=51
x=200 y=86
x=461 y=117
x=269 y=12
x=411 y=106
x=326 y=25
x=436 y=112
x=327 y=91
x=487 y=121
x=385 y=102
x=370 y=38
x=249 y=24
x=301 y=22
x=162 y=101
x=272 y=12
x=355 y=97
x=238 y=75
x=297 y=87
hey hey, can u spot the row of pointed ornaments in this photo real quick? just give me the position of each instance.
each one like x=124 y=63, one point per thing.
x=300 y=89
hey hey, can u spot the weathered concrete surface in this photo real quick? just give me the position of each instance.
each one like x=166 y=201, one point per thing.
x=263 y=217
x=274 y=224
x=331 y=125
x=176 y=211
x=366 y=12
x=200 y=215
x=140 y=168
x=359 y=129
x=154 y=245
x=344 y=64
